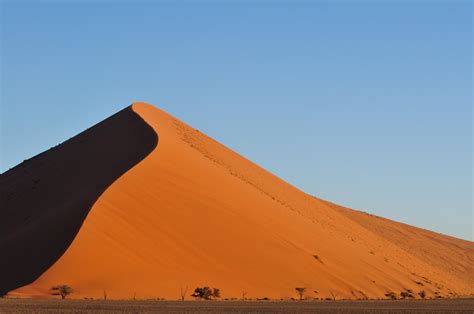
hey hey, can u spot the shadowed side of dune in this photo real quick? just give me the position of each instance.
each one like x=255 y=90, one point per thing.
x=44 y=200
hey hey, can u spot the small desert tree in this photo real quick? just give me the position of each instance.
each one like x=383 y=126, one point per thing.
x=405 y=294
x=62 y=290
x=300 y=292
x=334 y=295
x=183 y=292
x=422 y=294
x=206 y=293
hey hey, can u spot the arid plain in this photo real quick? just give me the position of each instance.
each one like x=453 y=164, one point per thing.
x=317 y=307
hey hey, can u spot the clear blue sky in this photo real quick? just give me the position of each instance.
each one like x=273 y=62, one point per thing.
x=364 y=104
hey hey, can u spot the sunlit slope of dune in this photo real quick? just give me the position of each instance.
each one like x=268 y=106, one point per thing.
x=195 y=213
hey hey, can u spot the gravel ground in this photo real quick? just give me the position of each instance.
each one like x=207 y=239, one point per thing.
x=101 y=306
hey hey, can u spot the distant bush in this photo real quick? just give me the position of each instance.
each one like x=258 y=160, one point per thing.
x=206 y=293
x=392 y=295
x=62 y=290
x=422 y=294
x=263 y=299
x=406 y=294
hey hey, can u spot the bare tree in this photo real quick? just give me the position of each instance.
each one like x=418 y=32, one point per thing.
x=334 y=295
x=105 y=295
x=62 y=290
x=301 y=292
x=183 y=292
x=244 y=295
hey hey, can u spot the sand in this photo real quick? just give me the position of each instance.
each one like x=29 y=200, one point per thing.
x=44 y=200
x=195 y=213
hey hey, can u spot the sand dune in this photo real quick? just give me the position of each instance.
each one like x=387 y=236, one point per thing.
x=45 y=200
x=194 y=213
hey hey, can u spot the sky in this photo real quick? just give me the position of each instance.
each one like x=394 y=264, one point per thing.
x=367 y=104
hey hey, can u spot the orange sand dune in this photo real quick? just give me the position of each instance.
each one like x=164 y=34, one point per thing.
x=195 y=213
x=44 y=200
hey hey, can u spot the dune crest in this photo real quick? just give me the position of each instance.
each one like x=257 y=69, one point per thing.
x=195 y=213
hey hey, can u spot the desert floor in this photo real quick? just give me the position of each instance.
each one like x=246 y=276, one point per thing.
x=131 y=306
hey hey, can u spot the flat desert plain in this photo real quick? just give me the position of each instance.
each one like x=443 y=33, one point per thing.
x=317 y=307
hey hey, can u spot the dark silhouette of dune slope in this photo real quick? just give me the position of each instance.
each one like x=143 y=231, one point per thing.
x=45 y=200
